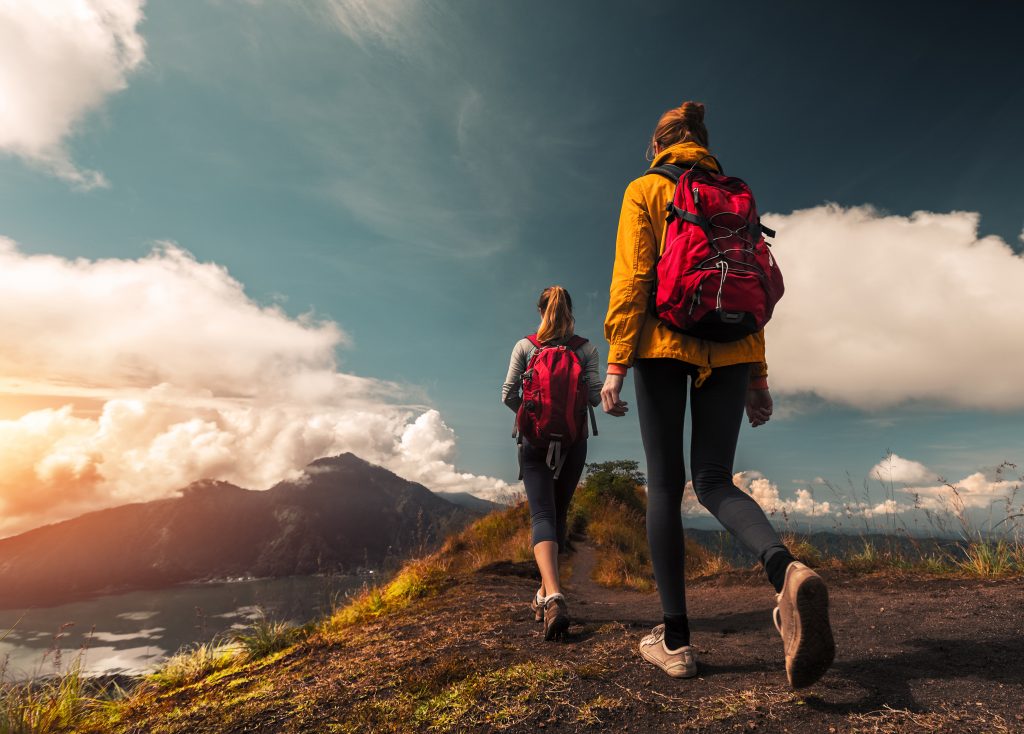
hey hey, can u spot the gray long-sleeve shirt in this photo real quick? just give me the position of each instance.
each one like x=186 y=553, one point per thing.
x=521 y=353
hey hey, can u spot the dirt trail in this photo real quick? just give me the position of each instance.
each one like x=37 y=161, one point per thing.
x=913 y=655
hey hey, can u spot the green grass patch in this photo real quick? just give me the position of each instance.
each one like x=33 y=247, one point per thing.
x=266 y=636
x=192 y=664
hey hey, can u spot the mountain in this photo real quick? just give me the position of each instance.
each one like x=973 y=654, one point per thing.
x=832 y=544
x=343 y=513
x=470 y=501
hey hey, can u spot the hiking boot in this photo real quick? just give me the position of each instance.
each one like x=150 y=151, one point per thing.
x=556 y=616
x=681 y=663
x=802 y=619
x=537 y=605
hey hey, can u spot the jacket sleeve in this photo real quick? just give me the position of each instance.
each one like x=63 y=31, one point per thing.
x=759 y=376
x=593 y=373
x=510 y=390
x=636 y=249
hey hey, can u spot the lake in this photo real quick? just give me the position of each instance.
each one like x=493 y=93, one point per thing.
x=135 y=632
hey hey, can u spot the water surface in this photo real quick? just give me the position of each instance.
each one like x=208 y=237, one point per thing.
x=133 y=633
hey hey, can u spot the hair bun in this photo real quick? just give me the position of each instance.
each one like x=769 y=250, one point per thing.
x=692 y=111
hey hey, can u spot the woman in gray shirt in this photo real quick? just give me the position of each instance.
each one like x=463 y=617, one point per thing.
x=547 y=490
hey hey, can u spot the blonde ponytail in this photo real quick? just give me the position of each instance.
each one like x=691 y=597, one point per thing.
x=556 y=321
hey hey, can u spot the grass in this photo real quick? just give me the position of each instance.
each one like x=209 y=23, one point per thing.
x=46 y=706
x=454 y=691
x=266 y=636
x=503 y=535
x=420 y=578
x=194 y=663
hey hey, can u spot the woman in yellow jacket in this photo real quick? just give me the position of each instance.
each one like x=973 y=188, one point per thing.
x=724 y=379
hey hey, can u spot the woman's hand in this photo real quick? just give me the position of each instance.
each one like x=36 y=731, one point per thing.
x=759 y=406
x=610 y=396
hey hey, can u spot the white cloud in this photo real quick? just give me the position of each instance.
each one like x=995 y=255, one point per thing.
x=766 y=493
x=974 y=492
x=968 y=496
x=883 y=309
x=870 y=510
x=196 y=381
x=59 y=61
x=894 y=468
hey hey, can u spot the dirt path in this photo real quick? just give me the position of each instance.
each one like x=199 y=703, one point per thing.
x=913 y=655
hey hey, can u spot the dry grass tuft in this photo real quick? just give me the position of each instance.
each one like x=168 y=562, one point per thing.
x=501 y=535
x=418 y=579
x=888 y=720
x=623 y=559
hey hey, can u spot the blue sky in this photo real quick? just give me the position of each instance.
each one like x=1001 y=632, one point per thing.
x=416 y=172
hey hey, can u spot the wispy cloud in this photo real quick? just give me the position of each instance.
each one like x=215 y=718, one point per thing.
x=883 y=309
x=59 y=61
x=385 y=21
x=412 y=140
x=195 y=381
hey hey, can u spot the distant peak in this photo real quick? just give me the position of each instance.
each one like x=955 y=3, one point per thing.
x=204 y=487
x=347 y=459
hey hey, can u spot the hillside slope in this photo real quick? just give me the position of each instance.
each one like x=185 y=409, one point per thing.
x=342 y=513
x=451 y=646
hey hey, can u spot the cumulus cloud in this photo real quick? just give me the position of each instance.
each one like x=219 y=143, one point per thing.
x=195 y=380
x=59 y=61
x=766 y=493
x=894 y=468
x=976 y=491
x=966 y=497
x=882 y=309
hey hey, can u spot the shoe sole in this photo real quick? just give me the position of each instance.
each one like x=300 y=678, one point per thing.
x=557 y=628
x=814 y=648
x=657 y=663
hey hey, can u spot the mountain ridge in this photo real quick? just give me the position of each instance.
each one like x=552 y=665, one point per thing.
x=341 y=514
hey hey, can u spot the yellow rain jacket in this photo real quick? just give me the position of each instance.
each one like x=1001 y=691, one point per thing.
x=630 y=328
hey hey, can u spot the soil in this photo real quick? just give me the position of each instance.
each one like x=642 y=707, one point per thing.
x=914 y=655
x=948 y=653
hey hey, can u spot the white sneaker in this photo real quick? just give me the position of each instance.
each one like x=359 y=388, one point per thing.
x=681 y=663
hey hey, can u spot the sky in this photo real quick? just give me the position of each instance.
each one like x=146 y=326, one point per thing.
x=237 y=235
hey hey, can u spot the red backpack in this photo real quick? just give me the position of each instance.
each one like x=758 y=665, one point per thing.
x=556 y=399
x=716 y=278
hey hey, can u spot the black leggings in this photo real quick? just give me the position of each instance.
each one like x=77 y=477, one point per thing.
x=549 y=497
x=716 y=413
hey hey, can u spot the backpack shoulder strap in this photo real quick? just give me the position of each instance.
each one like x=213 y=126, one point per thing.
x=667 y=170
x=575 y=342
x=673 y=172
x=535 y=341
